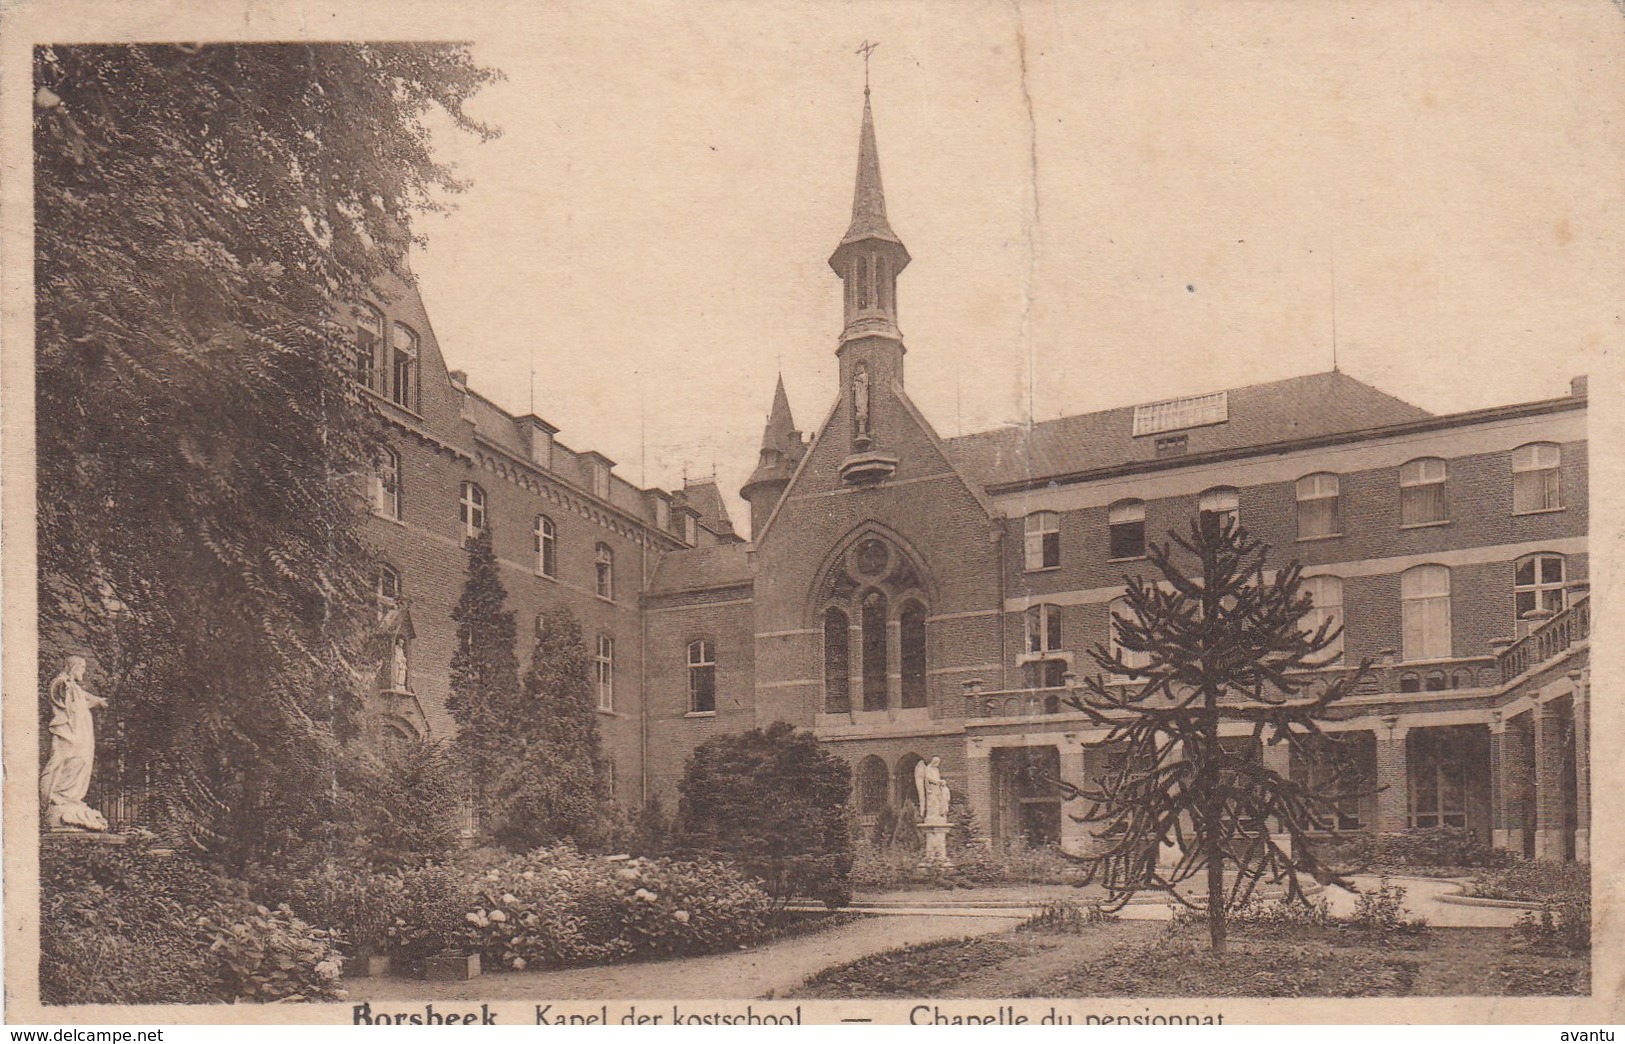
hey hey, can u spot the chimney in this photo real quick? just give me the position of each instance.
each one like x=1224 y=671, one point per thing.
x=1577 y=386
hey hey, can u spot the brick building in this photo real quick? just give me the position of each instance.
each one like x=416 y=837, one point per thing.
x=908 y=596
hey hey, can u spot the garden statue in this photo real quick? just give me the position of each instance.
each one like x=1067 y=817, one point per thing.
x=934 y=796
x=66 y=778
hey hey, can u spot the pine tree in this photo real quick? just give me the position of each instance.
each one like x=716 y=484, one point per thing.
x=1218 y=644
x=205 y=216
x=554 y=785
x=485 y=691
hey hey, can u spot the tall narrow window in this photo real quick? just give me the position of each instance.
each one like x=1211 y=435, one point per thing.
x=912 y=634
x=1537 y=583
x=1043 y=626
x=471 y=508
x=1326 y=595
x=1536 y=477
x=1125 y=524
x=1043 y=540
x=883 y=284
x=547 y=546
x=403 y=386
x=386 y=485
x=603 y=663
x=1424 y=593
x=1319 y=507
x=1421 y=492
x=605 y=564
x=837 y=662
x=369 y=335
x=1120 y=610
x=863 y=284
x=389 y=590
x=702 y=677
x=1217 y=506
x=873 y=622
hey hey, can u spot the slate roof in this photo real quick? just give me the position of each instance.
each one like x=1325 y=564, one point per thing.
x=706 y=499
x=698 y=568
x=1259 y=415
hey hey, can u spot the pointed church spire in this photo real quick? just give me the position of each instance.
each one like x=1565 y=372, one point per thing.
x=868 y=197
x=780 y=426
x=782 y=450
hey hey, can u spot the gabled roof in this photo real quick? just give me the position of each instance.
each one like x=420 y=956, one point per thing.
x=700 y=568
x=705 y=500
x=1258 y=415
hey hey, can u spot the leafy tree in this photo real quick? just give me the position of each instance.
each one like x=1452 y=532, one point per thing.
x=204 y=214
x=773 y=802
x=405 y=804
x=550 y=784
x=1204 y=647
x=485 y=690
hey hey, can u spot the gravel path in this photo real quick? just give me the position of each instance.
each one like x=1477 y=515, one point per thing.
x=775 y=968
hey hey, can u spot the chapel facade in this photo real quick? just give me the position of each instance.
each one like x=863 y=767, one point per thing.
x=906 y=596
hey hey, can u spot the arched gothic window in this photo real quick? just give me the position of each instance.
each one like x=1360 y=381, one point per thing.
x=837 y=662
x=911 y=627
x=872 y=621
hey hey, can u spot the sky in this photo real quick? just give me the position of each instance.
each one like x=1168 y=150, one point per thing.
x=1107 y=203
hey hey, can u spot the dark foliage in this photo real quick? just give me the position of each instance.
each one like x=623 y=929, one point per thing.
x=405 y=803
x=203 y=216
x=1218 y=644
x=485 y=690
x=773 y=802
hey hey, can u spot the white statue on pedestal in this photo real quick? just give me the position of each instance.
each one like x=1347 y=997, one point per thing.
x=66 y=778
x=934 y=795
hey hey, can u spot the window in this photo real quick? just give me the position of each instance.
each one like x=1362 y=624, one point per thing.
x=1326 y=593
x=691 y=530
x=912 y=634
x=1438 y=760
x=1424 y=593
x=388 y=591
x=662 y=515
x=1421 y=492
x=1536 y=481
x=1120 y=611
x=1217 y=506
x=873 y=784
x=837 y=662
x=547 y=546
x=369 y=334
x=702 y=677
x=403 y=384
x=1319 y=511
x=863 y=284
x=1125 y=523
x=883 y=284
x=603 y=664
x=872 y=619
x=386 y=486
x=1537 y=583
x=600 y=480
x=604 y=563
x=471 y=507
x=1043 y=540
x=1043 y=628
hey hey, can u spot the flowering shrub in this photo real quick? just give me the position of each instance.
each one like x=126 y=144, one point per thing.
x=360 y=905
x=556 y=907
x=430 y=920
x=271 y=955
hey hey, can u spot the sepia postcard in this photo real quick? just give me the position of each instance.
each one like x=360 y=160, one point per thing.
x=646 y=514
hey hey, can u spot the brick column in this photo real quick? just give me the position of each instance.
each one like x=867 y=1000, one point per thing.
x=1516 y=764
x=1548 y=782
x=1500 y=835
x=1076 y=837
x=1277 y=757
x=1582 y=764
x=1393 y=776
x=979 y=789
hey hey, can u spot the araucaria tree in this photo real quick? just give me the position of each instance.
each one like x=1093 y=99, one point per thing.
x=1218 y=663
x=205 y=216
x=485 y=691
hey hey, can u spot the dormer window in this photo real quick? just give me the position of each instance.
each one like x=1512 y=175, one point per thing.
x=600 y=480
x=662 y=515
x=403 y=383
x=691 y=530
x=1193 y=411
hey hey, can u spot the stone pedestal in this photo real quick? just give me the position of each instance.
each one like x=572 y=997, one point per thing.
x=935 y=832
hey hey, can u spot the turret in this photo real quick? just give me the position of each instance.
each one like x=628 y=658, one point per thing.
x=782 y=449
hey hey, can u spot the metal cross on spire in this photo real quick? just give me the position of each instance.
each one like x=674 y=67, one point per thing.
x=866 y=49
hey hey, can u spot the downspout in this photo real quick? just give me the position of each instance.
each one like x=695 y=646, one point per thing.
x=643 y=675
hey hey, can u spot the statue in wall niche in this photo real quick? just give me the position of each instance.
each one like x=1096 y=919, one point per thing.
x=66 y=778
x=398 y=674
x=860 y=401
x=932 y=791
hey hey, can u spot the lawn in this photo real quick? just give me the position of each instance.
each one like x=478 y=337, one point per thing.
x=1148 y=959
